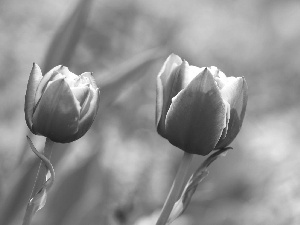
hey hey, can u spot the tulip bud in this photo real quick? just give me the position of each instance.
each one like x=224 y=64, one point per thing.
x=198 y=109
x=60 y=105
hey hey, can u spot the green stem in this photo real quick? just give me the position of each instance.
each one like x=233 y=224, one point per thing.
x=186 y=196
x=39 y=181
x=176 y=189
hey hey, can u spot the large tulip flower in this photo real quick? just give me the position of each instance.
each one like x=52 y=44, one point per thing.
x=60 y=105
x=198 y=109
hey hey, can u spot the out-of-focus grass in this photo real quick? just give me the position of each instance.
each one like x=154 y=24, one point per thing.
x=128 y=177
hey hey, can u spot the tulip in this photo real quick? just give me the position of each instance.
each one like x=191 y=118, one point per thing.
x=60 y=105
x=198 y=109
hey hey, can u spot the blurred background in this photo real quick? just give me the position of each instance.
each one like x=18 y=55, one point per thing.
x=120 y=172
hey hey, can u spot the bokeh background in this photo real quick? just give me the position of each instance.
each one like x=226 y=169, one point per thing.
x=120 y=172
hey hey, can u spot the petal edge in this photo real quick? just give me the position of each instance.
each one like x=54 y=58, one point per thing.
x=32 y=86
x=163 y=90
x=237 y=114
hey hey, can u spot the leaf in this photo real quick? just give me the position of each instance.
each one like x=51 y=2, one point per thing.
x=39 y=199
x=70 y=192
x=183 y=202
x=181 y=205
x=126 y=73
x=64 y=43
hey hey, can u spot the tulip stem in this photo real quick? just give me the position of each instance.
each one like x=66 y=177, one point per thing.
x=40 y=180
x=176 y=189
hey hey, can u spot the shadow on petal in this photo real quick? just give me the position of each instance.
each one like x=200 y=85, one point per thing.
x=196 y=117
x=57 y=113
x=164 y=87
x=237 y=114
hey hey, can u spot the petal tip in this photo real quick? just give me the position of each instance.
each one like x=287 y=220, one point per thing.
x=34 y=79
x=36 y=69
x=91 y=78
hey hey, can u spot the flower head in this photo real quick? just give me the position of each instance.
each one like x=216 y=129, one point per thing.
x=198 y=109
x=60 y=105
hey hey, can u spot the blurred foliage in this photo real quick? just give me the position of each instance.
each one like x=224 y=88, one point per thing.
x=121 y=170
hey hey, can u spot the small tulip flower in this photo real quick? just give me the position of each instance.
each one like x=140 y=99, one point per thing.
x=60 y=105
x=198 y=109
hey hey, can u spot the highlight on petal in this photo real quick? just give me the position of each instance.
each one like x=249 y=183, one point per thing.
x=32 y=85
x=236 y=95
x=188 y=73
x=196 y=118
x=232 y=89
x=43 y=84
x=57 y=114
x=164 y=86
x=169 y=65
x=92 y=80
x=227 y=118
x=65 y=71
x=80 y=93
x=184 y=75
x=70 y=78
x=88 y=112
x=53 y=70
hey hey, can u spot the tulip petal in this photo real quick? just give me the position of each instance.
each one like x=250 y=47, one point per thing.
x=182 y=77
x=66 y=72
x=91 y=78
x=57 y=113
x=196 y=117
x=70 y=78
x=89 y=112
x=43 y=84
x=235 y=93
x=32 y=85
x=90 y=106
x=186 y=75
x=164 y=85
x=227 y=110
x=80 y=93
